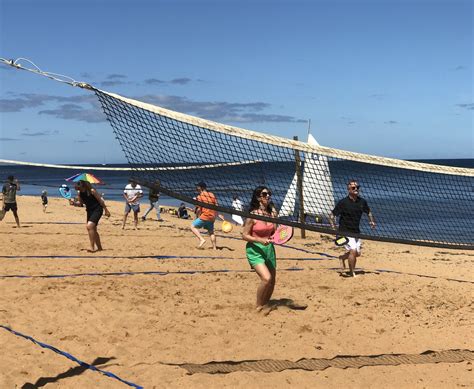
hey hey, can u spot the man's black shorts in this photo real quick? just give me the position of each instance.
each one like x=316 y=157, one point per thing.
x=11 y=206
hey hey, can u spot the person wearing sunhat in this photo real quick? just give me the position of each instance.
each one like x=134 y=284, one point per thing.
x=95 y=207
x=205 y=216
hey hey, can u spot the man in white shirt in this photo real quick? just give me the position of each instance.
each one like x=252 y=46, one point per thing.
x=238 y=206
x=132 y=194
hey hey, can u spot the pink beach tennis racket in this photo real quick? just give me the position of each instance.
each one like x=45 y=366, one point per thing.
x=282 y=234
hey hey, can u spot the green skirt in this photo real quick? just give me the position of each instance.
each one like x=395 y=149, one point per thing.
x=258 y=253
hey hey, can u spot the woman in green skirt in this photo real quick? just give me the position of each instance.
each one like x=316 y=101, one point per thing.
x=260 y=250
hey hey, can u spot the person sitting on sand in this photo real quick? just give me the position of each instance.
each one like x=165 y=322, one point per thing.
x=182 y=212
x=350 y=210
x=132 y=194
x=44 y=199
x=9 y=198
x=205 y=217
x=95 y=207
x=260 y=249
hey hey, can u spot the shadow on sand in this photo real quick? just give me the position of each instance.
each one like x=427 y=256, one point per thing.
x=75 y=371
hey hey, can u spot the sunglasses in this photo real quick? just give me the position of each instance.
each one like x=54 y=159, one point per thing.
x=354 y=187
x=265 y=194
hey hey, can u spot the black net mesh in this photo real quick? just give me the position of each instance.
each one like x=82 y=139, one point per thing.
x=409 y=206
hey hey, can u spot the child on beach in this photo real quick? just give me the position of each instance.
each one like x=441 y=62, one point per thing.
x=44 y=199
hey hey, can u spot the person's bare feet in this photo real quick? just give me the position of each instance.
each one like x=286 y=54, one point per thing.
x=201 y=244
x=266 y=309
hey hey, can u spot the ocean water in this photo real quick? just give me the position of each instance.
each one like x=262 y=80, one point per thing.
x=407 y=204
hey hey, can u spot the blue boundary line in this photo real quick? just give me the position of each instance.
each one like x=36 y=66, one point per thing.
x=70 y=357
x=185 y=272
x=146 y=257
x=422 y=275
x=26 y=223
x=406 y=273
x=155 y=273
x=287 y=246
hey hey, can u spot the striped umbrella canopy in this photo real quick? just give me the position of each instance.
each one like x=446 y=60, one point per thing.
x=85 y=177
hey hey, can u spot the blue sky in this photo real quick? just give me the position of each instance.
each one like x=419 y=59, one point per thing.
x=390 y=78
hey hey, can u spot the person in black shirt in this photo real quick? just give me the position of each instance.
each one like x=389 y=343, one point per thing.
x=153 y=197
x=95 y=207
x=9 y=198
x=350 y=210
x=44 y=199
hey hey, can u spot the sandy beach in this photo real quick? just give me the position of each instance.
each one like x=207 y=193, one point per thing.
x=151 y=304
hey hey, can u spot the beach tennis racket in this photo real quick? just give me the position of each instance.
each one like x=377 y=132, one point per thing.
x=282 y=234
x=341 y=241
x=65 y=192
x=226 y=226
x=2 y=214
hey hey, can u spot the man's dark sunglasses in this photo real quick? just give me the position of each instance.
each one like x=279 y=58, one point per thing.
x=355 y=187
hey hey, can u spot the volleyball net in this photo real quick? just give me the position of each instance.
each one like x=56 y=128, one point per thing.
x=412 y=202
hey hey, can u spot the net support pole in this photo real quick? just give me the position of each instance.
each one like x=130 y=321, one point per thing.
x=299 y=185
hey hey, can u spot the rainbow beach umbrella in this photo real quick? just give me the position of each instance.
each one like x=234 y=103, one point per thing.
x=85 y=177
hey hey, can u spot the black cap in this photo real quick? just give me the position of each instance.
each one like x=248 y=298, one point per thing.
x=202 y=185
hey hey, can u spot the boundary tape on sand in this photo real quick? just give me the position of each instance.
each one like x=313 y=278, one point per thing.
x=422 y=275
x=143 y=257
x=27 y=223
x=376 y=271
x=71 y=357
x=152 y=273
x=159 y=257
x=288 y=247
